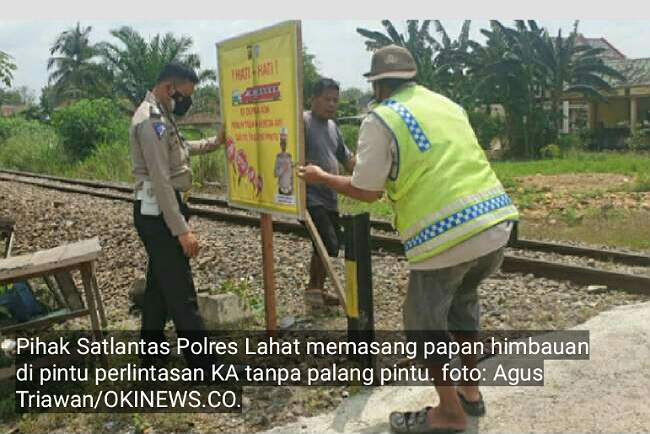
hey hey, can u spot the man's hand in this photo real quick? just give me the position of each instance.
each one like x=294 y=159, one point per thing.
x=312 y=174
x=212 y=144
x=189 y=243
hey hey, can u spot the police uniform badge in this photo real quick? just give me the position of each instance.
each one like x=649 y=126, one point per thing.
x=159 y=128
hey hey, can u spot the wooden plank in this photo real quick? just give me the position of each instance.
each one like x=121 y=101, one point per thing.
x=9 y=242
x=45 y=321
x=270 y=310
x=87 y=277
x=45 y=261
x=69 y=290
x=322 y=252
x=51 y=285
x=98 y=299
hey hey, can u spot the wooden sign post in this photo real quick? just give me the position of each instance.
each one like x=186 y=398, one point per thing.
x=270 y=312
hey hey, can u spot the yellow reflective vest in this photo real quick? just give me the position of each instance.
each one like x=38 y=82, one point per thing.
x=444 y=190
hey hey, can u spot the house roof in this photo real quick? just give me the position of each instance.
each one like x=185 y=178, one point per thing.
x=637 y=71
x=610 y=52
x=7 y=110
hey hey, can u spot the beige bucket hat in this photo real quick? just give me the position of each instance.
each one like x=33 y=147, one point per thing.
x=392 y=61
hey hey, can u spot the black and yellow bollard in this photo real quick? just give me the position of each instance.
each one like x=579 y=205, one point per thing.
x=358 y=281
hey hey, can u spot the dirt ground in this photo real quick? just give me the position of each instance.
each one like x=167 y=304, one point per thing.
x=596 y=209
x=577 y=182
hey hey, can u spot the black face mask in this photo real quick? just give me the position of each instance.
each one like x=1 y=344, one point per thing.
x=182 y=103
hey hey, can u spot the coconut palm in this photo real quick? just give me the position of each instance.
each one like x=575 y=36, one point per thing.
x=136 y=62
x=75 y=71
x=7 y=66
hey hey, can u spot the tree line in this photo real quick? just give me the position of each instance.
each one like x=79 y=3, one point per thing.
x=523 y=68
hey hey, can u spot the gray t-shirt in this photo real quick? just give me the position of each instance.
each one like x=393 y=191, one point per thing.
x=324 y=147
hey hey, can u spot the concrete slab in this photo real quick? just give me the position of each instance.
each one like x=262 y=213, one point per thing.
x=221 y=311
x=607 y=393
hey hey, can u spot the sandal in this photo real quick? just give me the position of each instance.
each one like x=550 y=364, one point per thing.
x=415 y=422
x=472 y=408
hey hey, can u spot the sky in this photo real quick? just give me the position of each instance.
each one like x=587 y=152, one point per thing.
x=339 y=49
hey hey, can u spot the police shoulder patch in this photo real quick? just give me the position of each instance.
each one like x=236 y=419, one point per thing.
x=159 y=128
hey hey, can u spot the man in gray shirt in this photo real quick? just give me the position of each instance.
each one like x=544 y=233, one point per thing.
x=324 y=147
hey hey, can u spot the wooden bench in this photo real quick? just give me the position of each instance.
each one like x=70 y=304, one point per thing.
x=60 y=261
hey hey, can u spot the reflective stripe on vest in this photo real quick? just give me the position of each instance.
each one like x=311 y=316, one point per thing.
x=411 y=123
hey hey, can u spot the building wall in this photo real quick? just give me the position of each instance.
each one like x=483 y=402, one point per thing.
x=614 y=111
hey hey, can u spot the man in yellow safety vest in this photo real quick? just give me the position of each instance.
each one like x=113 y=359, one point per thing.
x=451 y=211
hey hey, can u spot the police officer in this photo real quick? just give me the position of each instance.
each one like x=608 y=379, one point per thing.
x=161 y=167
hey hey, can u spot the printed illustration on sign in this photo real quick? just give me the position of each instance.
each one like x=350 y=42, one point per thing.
x=237 y=158
x=255 y=94
x=284 y=171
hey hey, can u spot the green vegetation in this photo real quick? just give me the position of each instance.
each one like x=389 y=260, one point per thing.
x=7 y=66
x=584 y=162
x=613 y=228
x=350 y=135
x=512 y=68
x=88 y=139
x=578 y=162
x=86 y=123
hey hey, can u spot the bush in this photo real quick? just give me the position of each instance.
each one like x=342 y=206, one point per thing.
x=30 y=146
x=639 y=140
x=350 y=135
x=570 y=142
x=641 y=183
x=552 y=152
x=87 y=123
x=486 y=127
x=16 y=125
x=109 y=161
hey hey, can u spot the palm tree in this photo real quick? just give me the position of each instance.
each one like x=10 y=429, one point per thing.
x=75 y=74
x=136 y=62
x=6 y=68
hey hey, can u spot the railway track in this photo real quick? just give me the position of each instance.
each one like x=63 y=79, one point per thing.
x=204 y=207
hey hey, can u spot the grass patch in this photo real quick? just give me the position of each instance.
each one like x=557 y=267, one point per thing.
x=244 y=291
x=380 y=209
x=628 y=163
x=641 y=183
x=597 y=226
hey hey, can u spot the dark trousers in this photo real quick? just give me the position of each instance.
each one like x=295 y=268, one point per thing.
x=170 y=287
